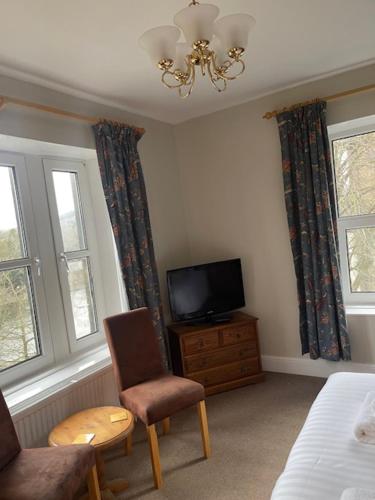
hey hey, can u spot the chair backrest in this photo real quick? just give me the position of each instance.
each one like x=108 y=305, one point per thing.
x=9 y=444
x=134 y=347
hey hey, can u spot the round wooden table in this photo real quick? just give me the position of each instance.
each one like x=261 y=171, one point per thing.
x=107 y=432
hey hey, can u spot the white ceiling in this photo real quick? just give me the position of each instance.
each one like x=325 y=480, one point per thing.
x=91 y=46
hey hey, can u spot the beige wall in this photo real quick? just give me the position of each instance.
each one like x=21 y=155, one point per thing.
x=215 y=191
x=157 y=150
x=230 y=168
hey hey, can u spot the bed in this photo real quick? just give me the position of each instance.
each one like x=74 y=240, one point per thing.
x=326 y=458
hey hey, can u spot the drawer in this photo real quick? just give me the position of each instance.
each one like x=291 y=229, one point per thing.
x=221 y=357
x=201 y=342
x=237 y=334
x=227 y=373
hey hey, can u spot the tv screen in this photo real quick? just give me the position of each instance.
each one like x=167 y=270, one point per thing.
x=205 y=290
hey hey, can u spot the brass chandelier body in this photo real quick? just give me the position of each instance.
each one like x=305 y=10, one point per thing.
x=205 y=58
x=216 y=46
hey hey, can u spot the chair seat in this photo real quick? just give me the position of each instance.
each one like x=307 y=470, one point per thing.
x=156 y=399
x=46 y=473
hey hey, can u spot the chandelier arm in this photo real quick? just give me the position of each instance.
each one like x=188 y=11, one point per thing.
x=227 y=65
x=215 y=66
x=214 y=78
x=189 y=84
x=168 y=85
x=203 y=64
x=241 y=71
x=191 y=72
x=216 y=86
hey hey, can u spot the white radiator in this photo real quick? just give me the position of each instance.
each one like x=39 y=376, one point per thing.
x=34 y=425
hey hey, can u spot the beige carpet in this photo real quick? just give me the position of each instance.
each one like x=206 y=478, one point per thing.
x=252 y=430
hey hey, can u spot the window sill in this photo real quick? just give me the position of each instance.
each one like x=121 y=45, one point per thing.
x=360 y=310
x=20 y=398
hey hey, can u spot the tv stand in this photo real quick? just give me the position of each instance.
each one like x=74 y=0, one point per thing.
x=211 y=320
x=221 y=356
x=222 y=318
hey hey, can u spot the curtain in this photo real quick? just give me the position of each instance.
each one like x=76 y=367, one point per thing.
x=125 y=194
x=311 y=210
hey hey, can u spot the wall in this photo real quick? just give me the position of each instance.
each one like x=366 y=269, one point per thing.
x=235 y=208
x=233 y=196
x=157 y=151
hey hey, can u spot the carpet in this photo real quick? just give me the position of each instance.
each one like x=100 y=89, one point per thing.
x=252 y=430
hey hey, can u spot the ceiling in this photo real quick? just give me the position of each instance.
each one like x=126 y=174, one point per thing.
x=91 y=46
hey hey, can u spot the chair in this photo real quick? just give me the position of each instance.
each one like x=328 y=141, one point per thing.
x=42 y=473
x=145 y=388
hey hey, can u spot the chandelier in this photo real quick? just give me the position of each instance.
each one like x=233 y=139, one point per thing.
x=215 y=46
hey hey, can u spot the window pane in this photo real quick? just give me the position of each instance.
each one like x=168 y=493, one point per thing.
x=82 y=297
x=69 y=210
x=361 y=255
x=354 y=159
x=11 y=246
x=18 y=329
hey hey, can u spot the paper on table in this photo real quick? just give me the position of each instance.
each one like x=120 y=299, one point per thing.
x=117 y=417
x=84 y=438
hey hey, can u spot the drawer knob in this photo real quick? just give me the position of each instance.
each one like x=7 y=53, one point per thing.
x=201 y=344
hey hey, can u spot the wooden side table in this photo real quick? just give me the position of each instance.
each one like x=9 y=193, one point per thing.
x=107 y=433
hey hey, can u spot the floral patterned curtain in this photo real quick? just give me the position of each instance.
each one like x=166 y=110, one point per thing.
x=311 y=210
x=125 y=194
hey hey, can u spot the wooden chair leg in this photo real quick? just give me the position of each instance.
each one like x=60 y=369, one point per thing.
x=166 y=425
x=128 y=445
x=204 y=428
x=155 y=456
x=93 y=484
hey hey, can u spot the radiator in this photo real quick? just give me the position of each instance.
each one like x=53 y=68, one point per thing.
x=34 y=425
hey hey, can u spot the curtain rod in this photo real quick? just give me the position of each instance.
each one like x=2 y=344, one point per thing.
x=366 y=88
x=57 y=111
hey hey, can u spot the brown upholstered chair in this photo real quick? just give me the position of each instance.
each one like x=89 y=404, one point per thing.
x=42 y=473
x=145 y=388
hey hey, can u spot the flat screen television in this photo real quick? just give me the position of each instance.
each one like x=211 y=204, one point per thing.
x=205 y=291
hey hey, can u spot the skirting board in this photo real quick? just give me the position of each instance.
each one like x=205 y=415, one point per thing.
x=311 y=367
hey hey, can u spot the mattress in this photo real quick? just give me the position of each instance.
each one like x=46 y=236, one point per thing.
x=326 y=459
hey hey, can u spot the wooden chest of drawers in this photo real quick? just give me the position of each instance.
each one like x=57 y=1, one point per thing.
x=221 y=357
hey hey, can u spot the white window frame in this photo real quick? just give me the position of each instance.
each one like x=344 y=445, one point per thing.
x=77 y=167
x=344 y=223
x=46 y=356
x=57 y=341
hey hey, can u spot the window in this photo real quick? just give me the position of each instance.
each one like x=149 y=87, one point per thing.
x=50 y=284
x=353 y=152
x=19 y=331
x=64 y=180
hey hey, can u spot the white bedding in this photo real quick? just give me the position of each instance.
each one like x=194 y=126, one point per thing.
x=326 y=458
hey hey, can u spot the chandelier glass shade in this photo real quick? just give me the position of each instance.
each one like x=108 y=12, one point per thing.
x=216 y=46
